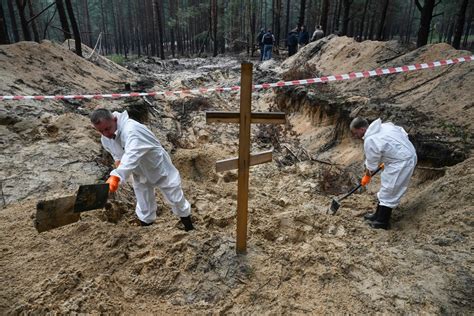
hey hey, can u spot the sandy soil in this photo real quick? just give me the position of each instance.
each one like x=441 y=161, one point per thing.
x=299 y=260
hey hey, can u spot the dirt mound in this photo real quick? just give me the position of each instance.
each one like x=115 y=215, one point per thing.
x=30 y=68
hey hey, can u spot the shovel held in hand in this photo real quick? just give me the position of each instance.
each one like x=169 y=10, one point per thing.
x=335 y=204
x=59 y=212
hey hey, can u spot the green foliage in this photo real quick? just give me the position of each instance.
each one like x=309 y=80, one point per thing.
x=118 y=59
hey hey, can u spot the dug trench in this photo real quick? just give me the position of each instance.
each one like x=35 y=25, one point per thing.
x=299 y=259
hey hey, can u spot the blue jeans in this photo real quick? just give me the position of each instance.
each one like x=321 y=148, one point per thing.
x=261 y=52
x=267 y=52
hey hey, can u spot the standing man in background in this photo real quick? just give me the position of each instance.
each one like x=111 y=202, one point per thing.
x=303 y=36
x=137 y=151
x=260 y=42
x=318 y=33
x=268 y=40
x=388 y=144
x=292 y=42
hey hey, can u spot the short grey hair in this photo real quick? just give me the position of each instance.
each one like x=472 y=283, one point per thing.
x=358 y=122
x=100 y=114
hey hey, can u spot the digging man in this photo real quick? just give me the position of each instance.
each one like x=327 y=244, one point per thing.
x=389 y=144
x=137 y=151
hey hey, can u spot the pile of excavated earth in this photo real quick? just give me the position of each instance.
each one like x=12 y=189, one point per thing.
x=299 y=258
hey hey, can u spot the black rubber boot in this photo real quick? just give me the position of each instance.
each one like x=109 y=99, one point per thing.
x=142 y=223
x=188 y=225
x=372 y=216
x=383 y=218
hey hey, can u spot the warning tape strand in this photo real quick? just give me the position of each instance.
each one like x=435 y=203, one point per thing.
x=324 y=79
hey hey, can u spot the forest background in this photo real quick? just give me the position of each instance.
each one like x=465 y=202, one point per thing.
x=186 y=28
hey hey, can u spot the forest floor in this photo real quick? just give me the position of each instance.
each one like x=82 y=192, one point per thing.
x=299 y=259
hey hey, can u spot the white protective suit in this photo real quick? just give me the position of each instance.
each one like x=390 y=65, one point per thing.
x=389 y=144
x=141 y=154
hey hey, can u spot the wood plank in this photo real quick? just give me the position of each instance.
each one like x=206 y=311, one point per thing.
x=244 y=157
x=233 y=163
x=256 y=118
x=55 y=213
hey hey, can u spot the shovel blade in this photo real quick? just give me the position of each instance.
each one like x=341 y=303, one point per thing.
x=55 y=213
x=91 y=197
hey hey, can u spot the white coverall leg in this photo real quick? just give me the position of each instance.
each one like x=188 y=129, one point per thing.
x=146 y=201
x=394 y=182
x=175 y=197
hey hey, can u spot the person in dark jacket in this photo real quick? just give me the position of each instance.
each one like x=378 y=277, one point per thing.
x=268 y=40
x=292 y=42
x=303 y=36
x=260 y=43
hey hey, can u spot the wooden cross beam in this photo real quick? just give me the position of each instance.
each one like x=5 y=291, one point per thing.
x=244 y=118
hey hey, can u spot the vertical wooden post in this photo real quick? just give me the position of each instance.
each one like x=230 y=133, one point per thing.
x=244 y=156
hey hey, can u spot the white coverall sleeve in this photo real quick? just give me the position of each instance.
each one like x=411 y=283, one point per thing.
x=135 y=148
x=373 y=154
x=115 y=152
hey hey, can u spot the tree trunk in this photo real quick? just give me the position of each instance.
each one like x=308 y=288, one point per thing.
x=380 y=33
x=213 y=26
x=468 y=27
x=277 y=18
x=4 y=38
x=460 y=24
x=21 y=5
x=63 y=19
x=345 y=16
x=302 y=13
x=159 y=19
x=11 y=12
x=104 y=26
x=425 y=21
x=75 y=28
x=361 y=29
x=287 y=22
x=324 y=16
x=33 y=23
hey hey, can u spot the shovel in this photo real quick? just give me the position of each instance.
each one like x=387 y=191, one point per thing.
x=335 y=204
x=66 y=210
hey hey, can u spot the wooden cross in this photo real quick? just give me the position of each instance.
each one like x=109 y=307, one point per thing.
x=245 y=117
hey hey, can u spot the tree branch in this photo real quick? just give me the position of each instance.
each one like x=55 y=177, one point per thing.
x=42 y=11
x=418 y=5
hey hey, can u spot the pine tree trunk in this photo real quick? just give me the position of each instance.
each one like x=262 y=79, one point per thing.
x=460 y=24
x=324 y=16
x=425 y=21
x=287 y=27
x=34 y=25
x=361 y=29
x=11 y=12
x=345 y=16
x=4 y=38
x=380 y=33
x=277 y=22
x=302 y=13
x=63 y=19
x=75 y=28
x=159 y=19
x=21 y=5
x=468 y=28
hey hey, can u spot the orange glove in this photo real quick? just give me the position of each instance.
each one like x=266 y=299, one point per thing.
x=365 y=180
x=113 y=182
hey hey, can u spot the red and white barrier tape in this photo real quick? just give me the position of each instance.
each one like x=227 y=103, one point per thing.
x=352 y=75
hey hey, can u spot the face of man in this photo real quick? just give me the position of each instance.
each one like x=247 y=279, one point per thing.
x=358 y=132
x=107 y=127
